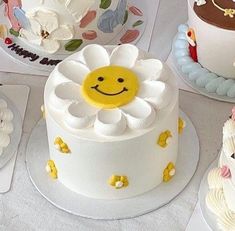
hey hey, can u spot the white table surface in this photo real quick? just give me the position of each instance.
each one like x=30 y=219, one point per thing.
x=23 y=208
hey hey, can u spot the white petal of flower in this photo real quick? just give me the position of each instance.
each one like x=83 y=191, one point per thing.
x=73 y=71
x=149 y=69
x=156 y=92
x=34 y=39
x=110 y=122
x=139 y=114
x=50 y=46
x=62 y=33
x=124 y=55
x=64 y=94
x=95 y=56
x=80 y=115
x=47 y=19
x=35 y=26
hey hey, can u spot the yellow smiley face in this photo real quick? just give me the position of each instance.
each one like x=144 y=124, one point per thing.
x=110 y=87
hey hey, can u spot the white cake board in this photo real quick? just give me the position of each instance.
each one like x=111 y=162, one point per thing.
x=15 y=136
x=176 y=69
x=209 y=217
x=132 y=19
x=38 y=154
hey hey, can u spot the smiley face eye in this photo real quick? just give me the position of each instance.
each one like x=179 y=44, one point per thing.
x=120 y=80
x=101 y=79
x=233 y=156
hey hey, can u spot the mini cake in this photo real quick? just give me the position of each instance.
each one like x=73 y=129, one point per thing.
x=6 y=126
x=220 y=198
x=112 y=122
x=62 y=26
x=204 y=48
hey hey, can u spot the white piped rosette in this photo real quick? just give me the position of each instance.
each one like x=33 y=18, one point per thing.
x=66 y=96
x=6 y=126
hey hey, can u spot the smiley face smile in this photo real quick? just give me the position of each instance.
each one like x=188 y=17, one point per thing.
x=109 y=94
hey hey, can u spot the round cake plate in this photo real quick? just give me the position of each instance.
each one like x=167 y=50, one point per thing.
x=194 y=86
x=209 y=217
x=38 y=154
x=15 y=136
x=134 y=22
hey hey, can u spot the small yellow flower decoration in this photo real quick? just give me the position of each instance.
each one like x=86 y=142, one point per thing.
x=169 y=172
x=61 y=146
x=118 y=181
x=163 y=139
x=181 y=125
x=3 y=31
x=43 y=112
x=51 y=169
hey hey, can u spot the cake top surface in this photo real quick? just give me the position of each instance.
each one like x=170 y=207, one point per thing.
x=220 y=13
x=109 y=91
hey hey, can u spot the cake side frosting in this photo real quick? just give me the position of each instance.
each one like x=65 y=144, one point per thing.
x=100 y=140
x=6 y=125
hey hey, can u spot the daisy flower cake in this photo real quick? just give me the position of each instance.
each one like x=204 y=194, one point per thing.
x=112 y=122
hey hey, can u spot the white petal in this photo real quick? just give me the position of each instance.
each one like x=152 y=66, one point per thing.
x=35 y=26
x=139 y=114
x=47 y=19
x=64 y=94
x=62 y=33
x=156 y=92
x=73 y=70
x=110 y=122
x=80 y=115
x=95 y=56
x=149 y=69
x=32 y=38
x=50 y=46
x=124 y=55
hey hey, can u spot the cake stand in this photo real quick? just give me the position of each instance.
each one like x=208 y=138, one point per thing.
x=15 y=136
x=209 y=217
x=134 y=27
x=214 y=88
x=38 y=153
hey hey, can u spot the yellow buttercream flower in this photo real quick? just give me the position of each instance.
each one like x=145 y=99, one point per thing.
x=43 y=112
x=163 y=139
x=181 y=125
x=169 y=172
x=51 y=169
x=118 y=181
x=61 y=146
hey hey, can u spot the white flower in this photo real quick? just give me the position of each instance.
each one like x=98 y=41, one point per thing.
x=46 y=31
x=86 y=98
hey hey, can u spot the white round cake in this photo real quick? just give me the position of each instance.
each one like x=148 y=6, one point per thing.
x=6 y=125
x=213 y=26
x=220 y=198
x=62 y=26
x=112 y=122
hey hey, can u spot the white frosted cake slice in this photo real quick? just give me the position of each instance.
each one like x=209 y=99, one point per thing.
x=6 y=125
x=220 y=199
x=112 y=122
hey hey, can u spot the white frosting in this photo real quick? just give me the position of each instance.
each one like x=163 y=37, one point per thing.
x=6 y=126
x=133 y=153
x=102 y=27
x=215 y=47
x=228 y=129
x=214 y=179
x=227 y=221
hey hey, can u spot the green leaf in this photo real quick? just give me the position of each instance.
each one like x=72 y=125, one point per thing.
x=105 y=4
x=13 y=32
x=73 y=44
x=137 y=23
x=125 y=18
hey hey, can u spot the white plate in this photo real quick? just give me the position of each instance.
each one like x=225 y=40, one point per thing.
x=209 y=217
x=132 y=19
x=15 y=136
x=37 y=155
